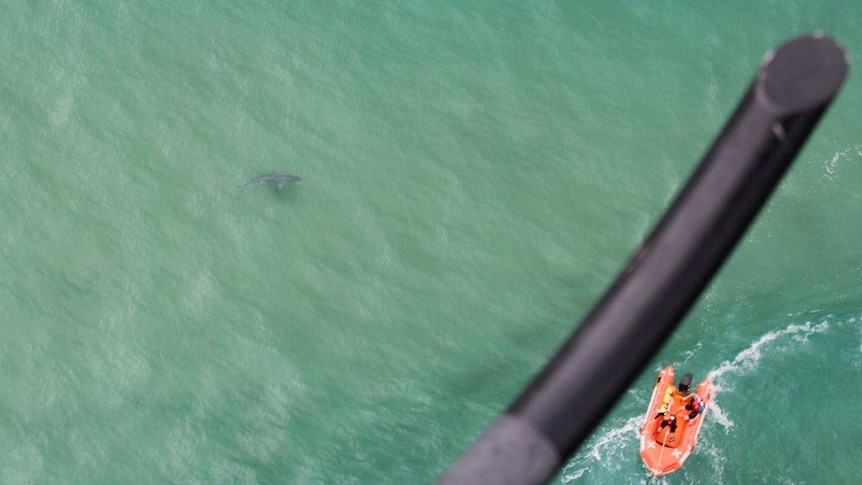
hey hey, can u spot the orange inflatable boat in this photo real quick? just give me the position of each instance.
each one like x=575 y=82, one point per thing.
x=665 y=448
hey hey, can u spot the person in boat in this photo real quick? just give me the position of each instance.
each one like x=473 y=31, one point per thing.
x=668 y=420
x=695 y=406
x=680 y=393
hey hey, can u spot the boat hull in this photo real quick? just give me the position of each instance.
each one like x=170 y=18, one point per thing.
x=664 y=451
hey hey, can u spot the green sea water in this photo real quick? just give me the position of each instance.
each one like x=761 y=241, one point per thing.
x=473 y=173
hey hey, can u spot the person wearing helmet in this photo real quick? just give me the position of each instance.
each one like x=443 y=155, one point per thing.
x=668 y=420
x=695 y=406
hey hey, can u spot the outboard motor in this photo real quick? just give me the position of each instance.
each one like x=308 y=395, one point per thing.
x=684 y=384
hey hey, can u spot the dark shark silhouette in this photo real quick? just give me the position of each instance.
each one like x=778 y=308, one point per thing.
x=278 y=178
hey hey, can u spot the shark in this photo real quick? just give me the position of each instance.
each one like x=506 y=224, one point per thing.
x=280 y=179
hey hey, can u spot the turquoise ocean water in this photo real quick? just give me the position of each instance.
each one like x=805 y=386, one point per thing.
x=473 y=173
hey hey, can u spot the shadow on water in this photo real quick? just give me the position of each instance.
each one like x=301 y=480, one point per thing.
x=287 y=192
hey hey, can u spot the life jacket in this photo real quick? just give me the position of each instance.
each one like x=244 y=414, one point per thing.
x=665 y=402
x=697 y=405
x=672 y=392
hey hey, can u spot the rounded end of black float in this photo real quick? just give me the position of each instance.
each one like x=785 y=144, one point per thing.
x=804 y=73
